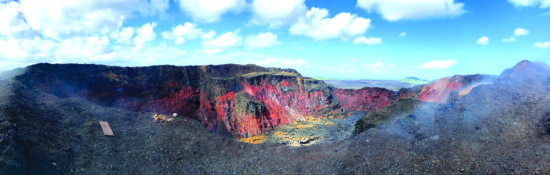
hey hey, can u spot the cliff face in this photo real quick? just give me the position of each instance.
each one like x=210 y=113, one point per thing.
x=448 y=88
x=244 y=100
x=365 y=99
x=444 y=90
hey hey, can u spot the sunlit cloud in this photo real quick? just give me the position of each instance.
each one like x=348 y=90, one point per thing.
x=439 y=64
x=395 y=10
x=511 y=39
x=542 y=45
x=520 y=32
x=378 y=66
x=367 y=41
x=483 y=40
x=317 y=25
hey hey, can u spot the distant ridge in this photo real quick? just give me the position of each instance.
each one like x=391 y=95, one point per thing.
x=414 y=80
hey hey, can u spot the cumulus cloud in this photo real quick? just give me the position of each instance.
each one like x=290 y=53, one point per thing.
x=145 y=34
x=483 y=40
x=12 y=24
x=511 y=39
x=402 y=34
x=317 y=25
x=543 y=45
x=261 y=40
x=517 y=32
x=82 y=49
x=378 y=66
x=277 y=13
x=222 y=42
x=438 y=64
x=520 y=32
x=27 y=51
x=367 y=41
x=395 y=10
x=123 y=36
x=63 y=19
x=209 y=11
x=530 y=3
x=188 y=31
x=208 y=35
x=160 y=5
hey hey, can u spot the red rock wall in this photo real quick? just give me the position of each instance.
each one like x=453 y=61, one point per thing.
x=245 y=100
x=265 y=105
x=440 y=90
x=365 y=99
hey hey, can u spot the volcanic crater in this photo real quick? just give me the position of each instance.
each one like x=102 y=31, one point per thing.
x=197 y=120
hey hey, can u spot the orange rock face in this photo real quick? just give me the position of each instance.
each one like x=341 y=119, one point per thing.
x=365 y=99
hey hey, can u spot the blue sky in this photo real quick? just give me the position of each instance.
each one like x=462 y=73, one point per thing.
x=359 y=39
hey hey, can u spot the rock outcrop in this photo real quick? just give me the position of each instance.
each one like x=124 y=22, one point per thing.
x=442 y=90
x=243 y=100
x=526 y=82
x=365 y=99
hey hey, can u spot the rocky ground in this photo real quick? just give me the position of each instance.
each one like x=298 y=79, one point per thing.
x=499 y=128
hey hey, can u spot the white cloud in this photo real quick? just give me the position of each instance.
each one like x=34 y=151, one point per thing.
x=160 y=5
x=511 y=39
x=354 y=60
x=189 y=31
x=27 y=50
x=483 y=40
x=222 y=42
x=209 y=11
x=394 y=10
x=11 y=22
x=318 y=26
x=517 y=32
x=438 y=64
x=520 y=32
x=82 y=49
x=145 y=34
x=277 y=13
x=367 y=41
x=378 y=66
x=543 y=45
x=402 y=34
x=123 y=36
x=530 y=3
x=64 y=19
x=208 y=35
x=124 y=47
x=261 y=40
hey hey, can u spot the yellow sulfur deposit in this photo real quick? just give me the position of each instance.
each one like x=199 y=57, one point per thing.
x=254 y=139
x=303 y=126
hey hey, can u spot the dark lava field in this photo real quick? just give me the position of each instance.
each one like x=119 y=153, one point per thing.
x=246 y=119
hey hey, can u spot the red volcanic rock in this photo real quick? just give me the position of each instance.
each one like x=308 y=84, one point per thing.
x=365 y=99
x=443 y=90
x=439 y=90
x=242 y=100
x=448 y=88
